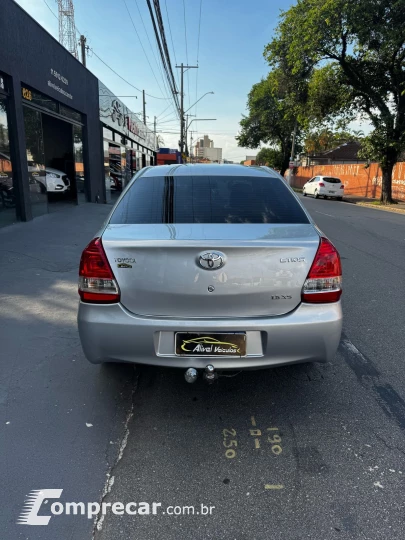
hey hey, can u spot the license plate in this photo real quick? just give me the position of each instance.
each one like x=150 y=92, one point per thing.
x=217 y=344
x=331 y=192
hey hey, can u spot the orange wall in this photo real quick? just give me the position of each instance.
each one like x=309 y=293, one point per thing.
x=357 y=179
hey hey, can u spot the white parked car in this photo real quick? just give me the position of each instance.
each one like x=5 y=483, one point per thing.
x=54 y=180
x=324 y=186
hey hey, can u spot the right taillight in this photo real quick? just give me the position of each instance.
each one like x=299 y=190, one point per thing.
x=97 y=283
x=342 y=187
x=324 y=281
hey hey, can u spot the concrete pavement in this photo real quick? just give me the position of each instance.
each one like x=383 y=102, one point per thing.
x=333 y=470
x=62 y=419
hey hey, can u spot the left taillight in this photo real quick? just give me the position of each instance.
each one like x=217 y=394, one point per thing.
x=97 y=284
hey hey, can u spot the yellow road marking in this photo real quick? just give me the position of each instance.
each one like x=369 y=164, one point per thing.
x=257 y=443
x=253 y=420
x=272 y=429
x=273 y=486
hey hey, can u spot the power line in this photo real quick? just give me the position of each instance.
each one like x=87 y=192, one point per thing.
x=118 y=75
x=146 y=56
x=154 y=56
x=171 y=37
x=164 y=110
x=185 y=37
x=105 y=63
x=198 y=55
x=163 y=50
x=199 y=29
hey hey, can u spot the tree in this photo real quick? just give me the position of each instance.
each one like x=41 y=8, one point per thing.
x=270 y=119
x=271 y=157
x=327 y=139
x=359 y=48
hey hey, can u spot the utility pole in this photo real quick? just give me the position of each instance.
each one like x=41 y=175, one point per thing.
x=154 y=130
x=183 y=70
x=144 y=107
x=83 y=49
x=186 y=124
x=292 y=153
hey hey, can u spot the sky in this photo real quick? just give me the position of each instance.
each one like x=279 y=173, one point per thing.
x=226 y=42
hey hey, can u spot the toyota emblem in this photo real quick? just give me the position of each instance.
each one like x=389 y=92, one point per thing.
x=211 y=260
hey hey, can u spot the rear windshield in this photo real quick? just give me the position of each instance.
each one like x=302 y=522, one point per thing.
x=332 y=180
x=208 y=199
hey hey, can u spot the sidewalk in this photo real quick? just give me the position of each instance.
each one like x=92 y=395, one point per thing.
x=374 y=203
x=52 y=242
x=62 y=418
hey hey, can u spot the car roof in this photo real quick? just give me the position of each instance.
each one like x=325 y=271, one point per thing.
x=209 y=169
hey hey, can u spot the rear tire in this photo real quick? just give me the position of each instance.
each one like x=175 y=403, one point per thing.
x=339 y=198
x=316 y=195
x=304 y=193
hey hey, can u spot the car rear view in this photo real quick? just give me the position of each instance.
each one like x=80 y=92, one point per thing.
x=331 y=187
x=209 y=265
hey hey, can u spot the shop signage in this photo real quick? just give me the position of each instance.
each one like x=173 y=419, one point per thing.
x=114 y=114
x=26 y=94
x=59 y=77
x=56 y=87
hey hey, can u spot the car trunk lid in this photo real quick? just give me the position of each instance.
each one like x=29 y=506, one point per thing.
x=158 y=271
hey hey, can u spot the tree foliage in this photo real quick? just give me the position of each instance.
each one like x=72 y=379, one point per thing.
x=270 y=119
x=357 y=47
x=271 y=157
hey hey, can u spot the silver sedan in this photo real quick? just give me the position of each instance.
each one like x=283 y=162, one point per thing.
x=216 y=265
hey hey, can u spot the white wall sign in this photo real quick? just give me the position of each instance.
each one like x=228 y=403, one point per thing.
x=116 y=115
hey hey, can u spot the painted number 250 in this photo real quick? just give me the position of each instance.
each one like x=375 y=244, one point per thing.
x=230 y=442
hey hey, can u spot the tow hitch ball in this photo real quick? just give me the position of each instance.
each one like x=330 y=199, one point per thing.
x=209 y=375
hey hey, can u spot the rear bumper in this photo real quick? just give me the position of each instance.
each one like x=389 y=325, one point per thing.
x=325 y=191
x=110 y=333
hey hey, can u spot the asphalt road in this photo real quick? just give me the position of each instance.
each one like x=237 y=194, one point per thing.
x=319 y=449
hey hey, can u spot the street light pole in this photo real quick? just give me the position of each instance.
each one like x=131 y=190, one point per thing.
x=292 y=153
x=206 y=94
x=183 y=70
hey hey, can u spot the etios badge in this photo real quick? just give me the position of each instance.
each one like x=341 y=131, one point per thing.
x=211 y=260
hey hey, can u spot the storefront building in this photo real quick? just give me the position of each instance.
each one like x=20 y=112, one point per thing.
x=128 y=145
x=64 y=137
x=50 y=132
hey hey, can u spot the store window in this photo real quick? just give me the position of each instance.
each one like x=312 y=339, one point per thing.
x=36 y=161
x=107 y=134
x=120 y=139
x=36 y=98
x=7 y=193
x=81 y=184
x=115 y=165
x=107 y=171
x=70 y=113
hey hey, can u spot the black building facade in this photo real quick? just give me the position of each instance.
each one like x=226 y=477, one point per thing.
x=62 y=139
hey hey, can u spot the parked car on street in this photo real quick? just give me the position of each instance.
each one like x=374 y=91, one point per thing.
x=209 y=266
x=324 y=186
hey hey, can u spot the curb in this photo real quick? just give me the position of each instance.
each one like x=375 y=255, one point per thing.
x=385 y=209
